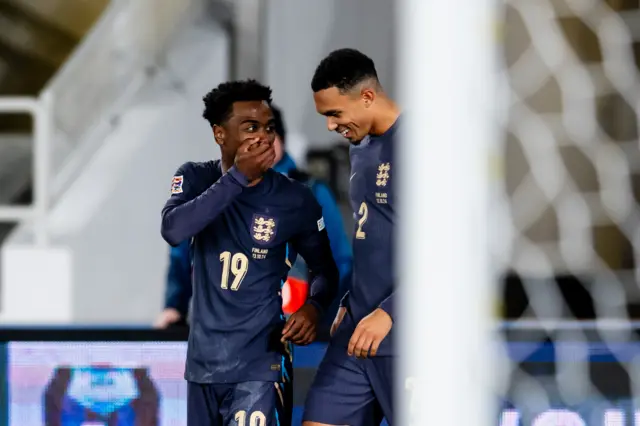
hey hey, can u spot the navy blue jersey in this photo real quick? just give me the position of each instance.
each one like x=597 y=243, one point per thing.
x=241 y=236
x=371 y=194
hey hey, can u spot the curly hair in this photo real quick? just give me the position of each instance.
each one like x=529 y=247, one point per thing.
x=218 y=103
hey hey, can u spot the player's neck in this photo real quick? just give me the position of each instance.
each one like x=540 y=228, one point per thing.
x=388 y=114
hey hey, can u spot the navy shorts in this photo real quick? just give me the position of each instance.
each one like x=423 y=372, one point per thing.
x=351 y=391
x=239 y=404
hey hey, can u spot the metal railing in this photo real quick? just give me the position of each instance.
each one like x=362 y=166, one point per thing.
x=113 y=62
x=78 y=107
x=39 y=110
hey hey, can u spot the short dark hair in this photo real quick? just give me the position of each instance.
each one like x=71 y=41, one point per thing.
x=279 y=123
x=218 y=103
x=343 y=69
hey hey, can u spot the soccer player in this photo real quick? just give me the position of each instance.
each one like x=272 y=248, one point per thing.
x=178 y=290
x=242 y=215
x=354 y=383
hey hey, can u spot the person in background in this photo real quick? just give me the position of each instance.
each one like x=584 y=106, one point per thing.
x=179 y=290
x=179 y=287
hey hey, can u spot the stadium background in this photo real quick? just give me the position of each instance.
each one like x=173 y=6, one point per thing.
x=100 y=101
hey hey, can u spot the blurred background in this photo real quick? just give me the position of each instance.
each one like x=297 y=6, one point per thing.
x=100 y=102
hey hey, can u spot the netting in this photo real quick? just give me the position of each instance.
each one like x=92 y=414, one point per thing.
x=567 y=227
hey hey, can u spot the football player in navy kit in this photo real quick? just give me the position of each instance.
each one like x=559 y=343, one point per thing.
x=244 y=219
x=354 y=383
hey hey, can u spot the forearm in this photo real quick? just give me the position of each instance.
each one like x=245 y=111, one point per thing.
x=181 y=221
x=323 y=289
x=323 y=272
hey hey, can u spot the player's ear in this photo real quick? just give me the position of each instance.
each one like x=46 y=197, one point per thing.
x=367 y=95
x=218 y=134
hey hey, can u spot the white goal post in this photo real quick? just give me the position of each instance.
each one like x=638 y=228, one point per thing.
x=447 y=79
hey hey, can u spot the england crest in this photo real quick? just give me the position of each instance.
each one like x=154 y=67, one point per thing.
x=382 y=177
x=263 y=229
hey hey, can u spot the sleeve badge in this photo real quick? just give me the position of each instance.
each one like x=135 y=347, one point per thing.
x=176 y=185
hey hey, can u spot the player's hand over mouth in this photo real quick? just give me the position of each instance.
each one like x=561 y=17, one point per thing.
x=254 y=157
x=369 y=333
x=301 y=326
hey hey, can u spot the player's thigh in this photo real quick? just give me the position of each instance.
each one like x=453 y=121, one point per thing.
x=380 y=371
x=202 y=405
x=341 y=393
x=258 y=404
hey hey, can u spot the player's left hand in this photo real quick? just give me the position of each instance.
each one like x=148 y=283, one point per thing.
x=369 y=333
x=301 y=326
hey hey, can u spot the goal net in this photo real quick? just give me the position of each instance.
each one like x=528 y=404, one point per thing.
x=568 y=232
x=563 y=214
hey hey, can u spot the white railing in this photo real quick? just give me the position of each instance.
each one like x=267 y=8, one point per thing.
x=109 y=67
x=77 y=108
x=42 y=129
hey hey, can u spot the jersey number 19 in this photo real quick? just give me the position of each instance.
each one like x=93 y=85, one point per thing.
x=257 y=418
x=236 y=265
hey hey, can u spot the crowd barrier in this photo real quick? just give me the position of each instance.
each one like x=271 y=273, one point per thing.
x=51 y=376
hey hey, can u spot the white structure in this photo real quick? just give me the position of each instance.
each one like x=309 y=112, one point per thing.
x=89 y=250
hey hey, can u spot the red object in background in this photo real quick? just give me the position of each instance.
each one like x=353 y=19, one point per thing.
x=294 y=294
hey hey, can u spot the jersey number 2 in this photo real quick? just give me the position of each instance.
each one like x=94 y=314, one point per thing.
x=238 y=264
x=364 y=213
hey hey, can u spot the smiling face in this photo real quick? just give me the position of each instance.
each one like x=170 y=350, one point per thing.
x=248 y=120
x=348 y=113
